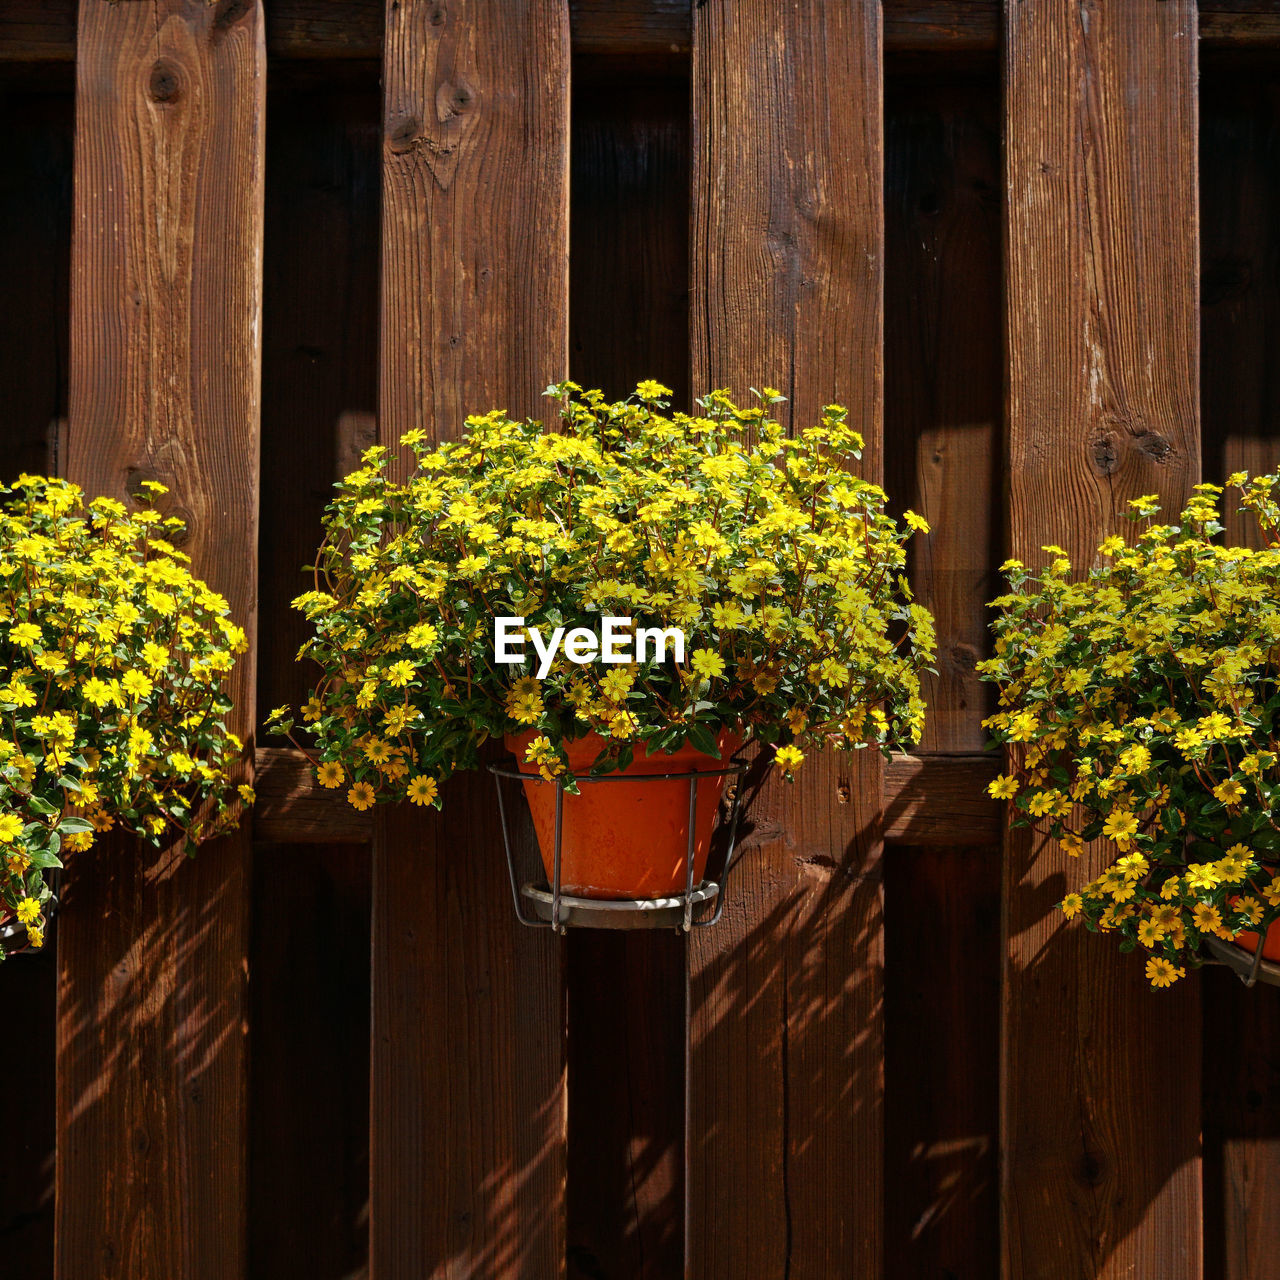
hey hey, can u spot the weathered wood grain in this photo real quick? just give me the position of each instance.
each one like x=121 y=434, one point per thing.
x=468 y=1105
x=1240 y=325
x=309 y=1130
x=629 y=319
x=44 y=30
x=785 y=1038
x=928 y=800
x=941 y=800
x=166 y=307
x=1101 y=1087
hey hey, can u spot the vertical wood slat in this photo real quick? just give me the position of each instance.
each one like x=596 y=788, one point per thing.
x=164 y=383
x=468 y=1105
x=1100 y=1076
x=786 y=1048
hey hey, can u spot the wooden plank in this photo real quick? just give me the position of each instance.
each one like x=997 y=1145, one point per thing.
x=941 y=800
x=928 y=800
x=1101 y=1087
x=309 y=1129
x=166 y=305
x=468 y=1105
x=629 y=319
x=1240 y=324
x=44 y=30
x=785 y=1038
x=941 y=26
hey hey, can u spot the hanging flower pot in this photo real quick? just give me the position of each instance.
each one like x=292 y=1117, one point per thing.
x=1141 y=704
x=622 y=838
x=1248 y=941
x=618 y=599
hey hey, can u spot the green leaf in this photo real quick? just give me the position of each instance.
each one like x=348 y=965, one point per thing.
x=702 y=738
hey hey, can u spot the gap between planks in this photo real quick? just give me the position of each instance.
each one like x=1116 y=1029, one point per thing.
x=929 y=800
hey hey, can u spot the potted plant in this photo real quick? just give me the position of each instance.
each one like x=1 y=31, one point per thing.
x=482 y=597
x=113 y=661
x=1141 y=704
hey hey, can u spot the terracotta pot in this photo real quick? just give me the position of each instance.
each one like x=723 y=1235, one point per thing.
x=627 y=839
x=1270 y=946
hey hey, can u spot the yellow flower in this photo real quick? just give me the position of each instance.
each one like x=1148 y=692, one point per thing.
x=1121 y=826
x=1229 y=791
x=361 y=796
x=135 y=683
x=1042 y=802
x=789 y=758
x=1203 y=875
x=330 y=774
x=25 y=634
x=1206 y=917
x=1161 y=973
x=10 y=827
x=28 y=910
x=1003 y=788
x=422 y=790
x=1072 y=904
x=1149 y=933
x=708 y=663
x=35 y=936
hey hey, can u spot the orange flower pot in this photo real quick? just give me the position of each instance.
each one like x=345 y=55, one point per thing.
x=1270 y=945
x=627 y=839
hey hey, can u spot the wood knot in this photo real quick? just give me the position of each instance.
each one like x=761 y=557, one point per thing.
x=165 y=82
x=228 y=13
x=1090 y=1169
x=1105 y=455
x=1157 y=447
x=454 y=100
x=403 y=133
x=438 y=14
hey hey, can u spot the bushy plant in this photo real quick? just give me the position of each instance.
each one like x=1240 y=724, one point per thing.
x=1141 y=705
x=113 y=667
x=777 y=561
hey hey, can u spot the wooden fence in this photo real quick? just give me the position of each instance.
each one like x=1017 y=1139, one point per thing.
x=1034 y=249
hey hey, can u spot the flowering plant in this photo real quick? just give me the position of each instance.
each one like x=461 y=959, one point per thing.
x=779 y=564
x=1142 y=705
x=113 y=660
